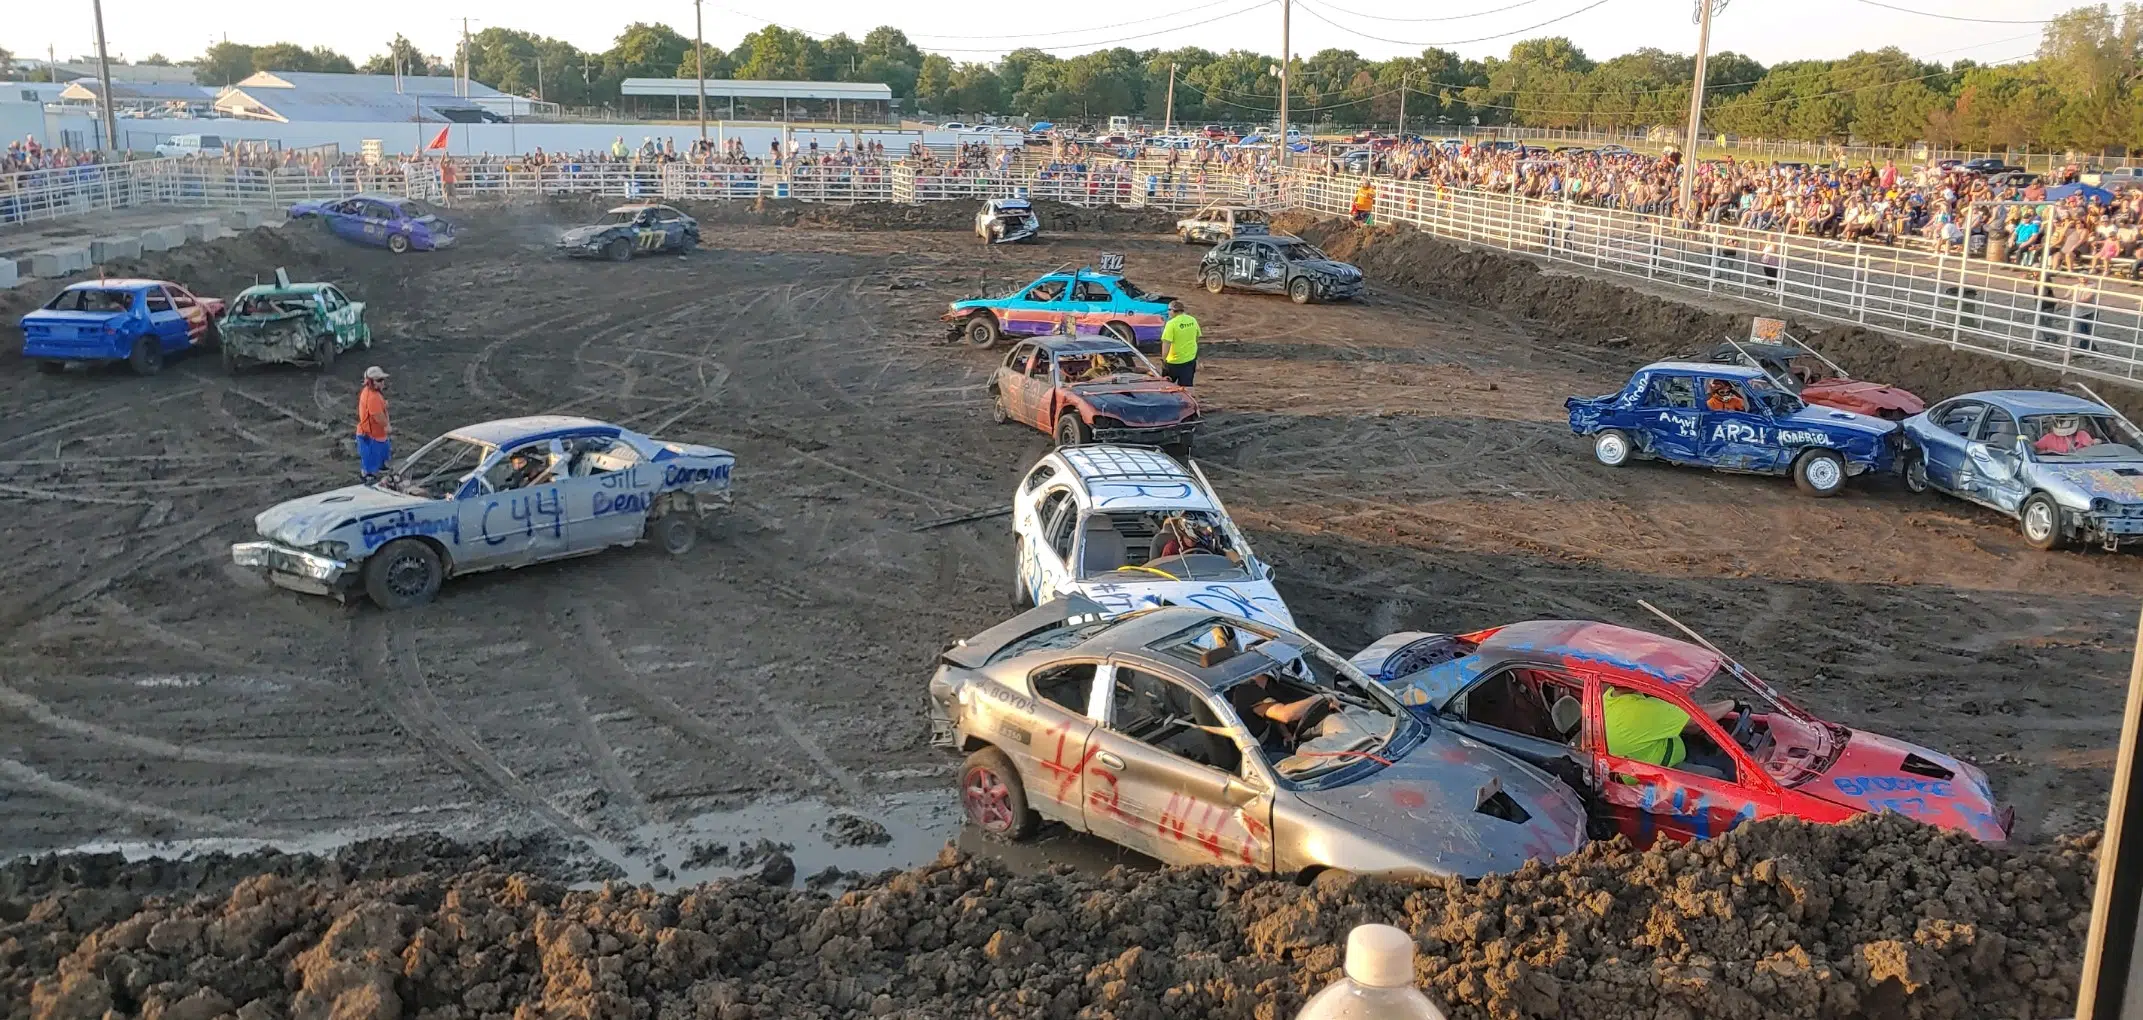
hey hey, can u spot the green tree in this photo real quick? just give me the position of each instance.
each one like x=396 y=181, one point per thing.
x=976 y=89
x=404 y=54
x=892 y=45
x=225 y=63
x=779 y=54
x=152 y=60
x=933 y=83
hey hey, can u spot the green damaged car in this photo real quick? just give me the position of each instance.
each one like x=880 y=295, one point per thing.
x=287 y=323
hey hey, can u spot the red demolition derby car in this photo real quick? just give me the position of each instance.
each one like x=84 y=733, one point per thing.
x=1815 y=378
x=1540 y=690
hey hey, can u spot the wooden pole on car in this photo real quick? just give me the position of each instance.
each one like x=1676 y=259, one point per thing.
x=2110 y=956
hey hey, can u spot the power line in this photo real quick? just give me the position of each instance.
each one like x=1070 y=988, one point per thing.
x=1312 y=12
x=1046 y=49
x=1958 y=17
x=1070 y=31
x=1451 y=17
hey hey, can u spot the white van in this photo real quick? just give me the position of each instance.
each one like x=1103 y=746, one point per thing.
x=1119 y=125
x=191 y=145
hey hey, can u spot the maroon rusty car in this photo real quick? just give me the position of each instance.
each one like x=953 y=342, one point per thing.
x=1093 y=389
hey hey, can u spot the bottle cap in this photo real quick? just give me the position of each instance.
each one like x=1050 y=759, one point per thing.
x=1380 y=956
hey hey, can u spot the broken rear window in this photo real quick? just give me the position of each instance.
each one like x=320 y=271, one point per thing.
x=92 y=300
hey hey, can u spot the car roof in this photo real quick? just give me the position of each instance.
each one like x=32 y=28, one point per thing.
x=377 y=197
x=1134 y=478
x=1585 y=643
x=1279 y=238
x=1707 y=368
x=2023 y=402
x=1081 y=344
x=512 y=430
x=306 y=287
x=1137 y=632
x=116 y=283
x=1781 y=352
x=637 y=206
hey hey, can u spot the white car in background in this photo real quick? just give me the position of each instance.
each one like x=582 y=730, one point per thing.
x=191 y=145
x=1131 y=528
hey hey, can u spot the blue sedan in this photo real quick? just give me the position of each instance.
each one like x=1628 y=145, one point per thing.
x=1731 y=418
x=2067 y=469
x=382 y=221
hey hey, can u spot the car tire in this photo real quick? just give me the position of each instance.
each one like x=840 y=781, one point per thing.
x=147 y=359
x=2040 y=521
x=992 y=797
x=1916 y=472
x=230 y=362
x=1820 y=473
x=1073 y=432
x=981 y=330
x=999 y=414
x=1300 y=291
x=324 y=352
x=1612 y=447
x=51 y=366
x=1214 y=281
x=1185 y=235
x=676 y=532
x=212 y=338
x=1022 y=599
x=403 y=573
x=618 y=250
x=398 y=243
x=1121 y=332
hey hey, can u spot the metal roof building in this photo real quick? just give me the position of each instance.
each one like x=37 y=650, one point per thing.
x=726 y=97
x=139 y=98
x=294 y=96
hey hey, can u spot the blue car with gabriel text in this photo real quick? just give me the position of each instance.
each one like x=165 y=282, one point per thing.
x=1732 y=418
x=1070 y=301
x=506 y=493
x=382 y=221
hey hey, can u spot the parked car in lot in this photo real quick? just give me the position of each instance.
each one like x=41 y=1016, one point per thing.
x=1545 y=690
x=1133 y=728
x=191 y=145
x=1280 y=264
x=1220 y=222
x=1990 y=166
x=628 y=230
x=285 y=323
x=1079 y=301
x=140 y=322
x=382 y=221
x=1131 y=528
x=2069 y=470
x=1092 y=390
x=1731 y=418
x=506 y=493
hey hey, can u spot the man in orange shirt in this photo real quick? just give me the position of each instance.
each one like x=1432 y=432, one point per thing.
x=373 y=449
x=1723 y=397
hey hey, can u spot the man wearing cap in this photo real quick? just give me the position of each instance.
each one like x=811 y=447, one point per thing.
x=373 y=449
x=1179 y=346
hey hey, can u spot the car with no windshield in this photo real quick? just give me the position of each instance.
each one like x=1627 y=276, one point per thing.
x=629 y=230
x=1279 y=264
x=1132 y=728
x=506 y=493
x=1007 y=221
x=1221 y=222
x=1731 y=418
x=382 y=221
x=1075 y=301
x=1803 y=371
x=2069 y=470
x=286 y=323
x=1092 y=390
x=1552 y=692
x=1129 y=528
x=139 y=322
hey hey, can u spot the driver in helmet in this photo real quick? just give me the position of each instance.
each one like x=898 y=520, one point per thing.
x=2066 y=436
x=1720 y=395
x=1648 y=729
x=1181 y=536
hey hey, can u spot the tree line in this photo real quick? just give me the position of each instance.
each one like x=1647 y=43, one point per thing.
x=2082 y=88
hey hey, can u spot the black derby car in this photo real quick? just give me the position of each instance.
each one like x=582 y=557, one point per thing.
x=630 y=230
x=1279 y=264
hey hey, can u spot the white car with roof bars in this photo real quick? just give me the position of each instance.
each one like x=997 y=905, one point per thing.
x=1131 y=528
x=505 y=493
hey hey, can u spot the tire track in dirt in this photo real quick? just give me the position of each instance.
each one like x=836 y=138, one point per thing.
x=36 y=711
x=30 y=780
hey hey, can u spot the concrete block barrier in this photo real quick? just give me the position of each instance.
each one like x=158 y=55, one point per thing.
x=9 y=274
x=116 y=246
x=53 y=263
x=241 y=219
x=204 y=228
x=163 y=238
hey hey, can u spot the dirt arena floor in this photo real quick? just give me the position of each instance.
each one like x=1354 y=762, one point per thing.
x=1403 y=461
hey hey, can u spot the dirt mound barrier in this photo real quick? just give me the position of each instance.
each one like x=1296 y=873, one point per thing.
x=1057 y=217
x=1880 y=918
x=1572 y=305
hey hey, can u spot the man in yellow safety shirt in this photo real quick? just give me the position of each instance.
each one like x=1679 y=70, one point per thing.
x=1647 y=729
x=1179 y=346
x=1365 y=201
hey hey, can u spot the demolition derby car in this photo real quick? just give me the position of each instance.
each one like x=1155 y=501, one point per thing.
x=1154 y=730
x=2069 y=470
x=1005 y=220
x=1802 y=371
x=505 y=493
x=382 y=221
x=1216 y=223
x=1093 y=390
x=1731 y=418
x=1064 y=301
x=140 y=322
x=630 y=230
x=1597 y=705
x=291 y=324
x=1129 y=528
x=1279 y=264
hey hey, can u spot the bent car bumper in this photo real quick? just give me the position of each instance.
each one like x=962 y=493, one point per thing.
x=2110 y=528
x=294 y=568
x=1338 y=290
x=1164 y=435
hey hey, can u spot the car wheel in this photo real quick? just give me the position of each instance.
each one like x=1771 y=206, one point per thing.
x=2040 y=520
x=677 y=532
x=50 y=366
x=398 y=244
x=1185 y=235
x=403 y=573
x=1916 y=473
x=1073 y=432
x=1611 y=447
x=993 y=799
x=1214 y=281
x=618 y=250
x=147 y=359
x=998 y=412
x=1022 y=599
x=982 y=330
x=212 y=338
x=230 y=361
x=324 y=351
x=1299 y=290
x=1819 y=473
x=1121 y=332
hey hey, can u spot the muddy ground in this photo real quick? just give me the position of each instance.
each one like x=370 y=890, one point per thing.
x=1402 y=460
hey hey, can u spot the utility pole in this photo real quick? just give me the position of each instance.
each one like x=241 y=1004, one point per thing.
x=1402 y=105
x=1168 y=119
x=52 y=64
x=1287 y=7
x=539 y=76
x=1696 y=106
x=104 y=80
x=468 y=59
x=699 y=72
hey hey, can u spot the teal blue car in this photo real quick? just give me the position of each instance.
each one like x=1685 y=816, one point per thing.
x=1080 y=302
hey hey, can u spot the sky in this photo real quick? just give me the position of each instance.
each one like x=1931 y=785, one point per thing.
x=1770 y=31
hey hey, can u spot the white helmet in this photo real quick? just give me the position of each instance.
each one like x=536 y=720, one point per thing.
x=2065 y=425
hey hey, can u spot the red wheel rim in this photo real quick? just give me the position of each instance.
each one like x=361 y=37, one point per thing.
x=989 y=802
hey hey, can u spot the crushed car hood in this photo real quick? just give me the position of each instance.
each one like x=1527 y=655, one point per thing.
x=1257 y=600
x=1330 y=267
x=1878 y=773
x=1145 y=403
x=1435 y=802
x=583 y=235
x=304 y=522
x=2121 y=482
x=1853 y=394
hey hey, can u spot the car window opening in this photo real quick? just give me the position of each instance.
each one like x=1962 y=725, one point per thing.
x=1168 y=545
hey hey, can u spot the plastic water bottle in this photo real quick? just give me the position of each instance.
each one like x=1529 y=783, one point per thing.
x=1379 y=984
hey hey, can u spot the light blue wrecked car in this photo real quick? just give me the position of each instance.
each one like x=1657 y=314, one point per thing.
x=2069 y=470
x=505 y=493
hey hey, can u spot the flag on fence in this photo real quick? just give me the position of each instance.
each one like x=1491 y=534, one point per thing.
x=438 y=141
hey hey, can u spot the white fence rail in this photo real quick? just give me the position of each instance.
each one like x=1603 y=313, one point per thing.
x=41 y=195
